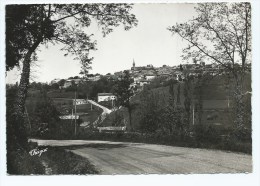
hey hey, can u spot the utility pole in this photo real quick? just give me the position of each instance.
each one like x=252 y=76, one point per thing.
x=71 y=115
x=193 y=122
x=75 y=113
x=228 y=102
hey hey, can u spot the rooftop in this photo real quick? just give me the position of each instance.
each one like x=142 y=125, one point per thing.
x=105 y=94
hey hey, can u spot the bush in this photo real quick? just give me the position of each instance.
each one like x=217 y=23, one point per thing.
x=203 y=137
x=19 y=162
x=70 y=163
x=44 y=117
x=206 y=134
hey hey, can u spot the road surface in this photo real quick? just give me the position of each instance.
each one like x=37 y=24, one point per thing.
x=105 y=110
x=103 y=115
x=138 y=158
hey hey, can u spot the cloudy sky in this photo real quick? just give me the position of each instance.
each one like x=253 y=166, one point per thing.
x=148 y=43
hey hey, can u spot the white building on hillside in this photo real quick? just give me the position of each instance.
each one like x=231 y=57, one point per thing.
x=106 y=97
x=67 y=84
x=150 y=77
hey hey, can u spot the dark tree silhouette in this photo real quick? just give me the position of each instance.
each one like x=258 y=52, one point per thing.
x=124 y=92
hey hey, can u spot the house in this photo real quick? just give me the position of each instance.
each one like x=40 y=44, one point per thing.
x=149 y=76
x=67 y=84
x=56 y=80
x=76 y=81
x=93 y=77
x=165 y=75
x=177 y=75
x=137 y=78
x=106 y=97
x=144 y=82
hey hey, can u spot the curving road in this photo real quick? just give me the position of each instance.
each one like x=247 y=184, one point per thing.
x=105 y=110
x=138 y=158
x=103 y=114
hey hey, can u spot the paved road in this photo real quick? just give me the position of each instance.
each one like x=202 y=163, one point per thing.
x=105 y=110
x=138 y=158
x=103 y=116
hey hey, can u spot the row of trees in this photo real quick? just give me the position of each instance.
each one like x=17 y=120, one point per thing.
x=169 y=112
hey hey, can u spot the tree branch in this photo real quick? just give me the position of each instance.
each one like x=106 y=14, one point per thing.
x=236 y=35
x=212 y=57
x=66 y=17
x=91 y=14
x=69 y=44
x=223 y=43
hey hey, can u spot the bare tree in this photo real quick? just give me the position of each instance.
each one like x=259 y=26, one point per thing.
x=221 y=33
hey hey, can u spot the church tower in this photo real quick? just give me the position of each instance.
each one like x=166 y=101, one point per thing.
x=133 y=63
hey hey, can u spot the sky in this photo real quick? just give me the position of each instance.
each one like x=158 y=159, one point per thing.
x=148 y=43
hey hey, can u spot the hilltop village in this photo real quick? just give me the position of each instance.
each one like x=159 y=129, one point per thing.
x=143 y=75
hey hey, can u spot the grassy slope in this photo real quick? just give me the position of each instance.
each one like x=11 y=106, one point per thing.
x=215 y=102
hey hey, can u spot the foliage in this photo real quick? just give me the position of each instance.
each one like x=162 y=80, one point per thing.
x=70 y=163
x=55 y=23
x=221 y=33
x=44 y=119
x=229 y=144
x=157 y=82
x=10 y=122
x=160 y=118
x=19 y=162
x=18 y=159
x=27 y=24
x=123 y=90
x=90 y=89
x=61 y=82
x=206 y=134
x=55 y=86
x=198 y=94
x=124 y=93
x=188 y=99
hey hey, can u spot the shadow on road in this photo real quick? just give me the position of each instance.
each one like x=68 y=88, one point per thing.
x=100 y=146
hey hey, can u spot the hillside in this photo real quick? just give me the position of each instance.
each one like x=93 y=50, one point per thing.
x=216 y=97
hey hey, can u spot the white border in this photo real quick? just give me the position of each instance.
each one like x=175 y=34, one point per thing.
x=134 y=180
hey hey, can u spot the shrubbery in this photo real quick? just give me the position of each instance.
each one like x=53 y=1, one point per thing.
x=196 y=140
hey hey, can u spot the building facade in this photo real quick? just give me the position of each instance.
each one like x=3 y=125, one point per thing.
x=105 y=97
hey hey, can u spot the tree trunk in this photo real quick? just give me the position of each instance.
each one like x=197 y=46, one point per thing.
x=19 y=106
x=130 y=119
x=239 y=107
